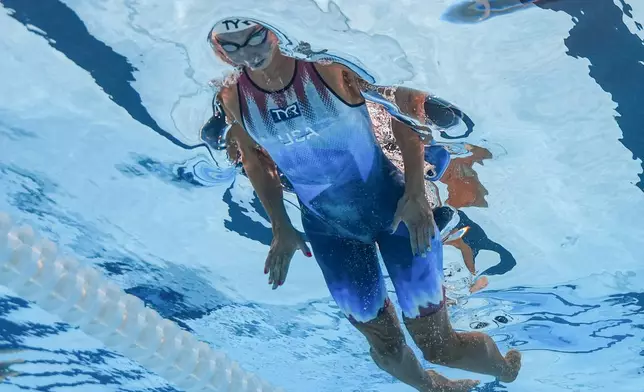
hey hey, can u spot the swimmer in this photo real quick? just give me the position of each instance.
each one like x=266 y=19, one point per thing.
x=310 y=121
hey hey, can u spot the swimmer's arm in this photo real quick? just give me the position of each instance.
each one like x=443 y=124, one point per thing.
x=412 y=148
x=412 y=145
x=411 y=101
x=263 y=175
x=259 y=167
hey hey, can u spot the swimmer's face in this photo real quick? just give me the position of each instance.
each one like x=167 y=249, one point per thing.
x=253 y=47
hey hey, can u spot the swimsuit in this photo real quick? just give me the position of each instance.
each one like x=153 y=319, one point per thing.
x=348 y=191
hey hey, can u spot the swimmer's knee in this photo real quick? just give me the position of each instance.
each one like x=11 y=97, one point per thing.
x=384 y=333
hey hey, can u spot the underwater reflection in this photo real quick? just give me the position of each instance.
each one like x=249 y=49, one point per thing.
x=475 y=11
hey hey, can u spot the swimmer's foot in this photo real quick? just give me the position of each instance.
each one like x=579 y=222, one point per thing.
x=443 y=384
x=479 y=284
x=513 y=365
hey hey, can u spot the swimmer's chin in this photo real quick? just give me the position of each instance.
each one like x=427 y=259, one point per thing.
x=263 y=64
x=259 y=66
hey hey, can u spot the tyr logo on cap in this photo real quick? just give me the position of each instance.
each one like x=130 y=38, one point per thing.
x=232 y=25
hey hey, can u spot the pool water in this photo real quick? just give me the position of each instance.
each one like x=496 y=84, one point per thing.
x=101 y=103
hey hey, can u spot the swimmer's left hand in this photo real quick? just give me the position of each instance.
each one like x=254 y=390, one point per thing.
x=414 y=210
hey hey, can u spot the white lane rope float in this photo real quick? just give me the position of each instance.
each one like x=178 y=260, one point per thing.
x=80 y=295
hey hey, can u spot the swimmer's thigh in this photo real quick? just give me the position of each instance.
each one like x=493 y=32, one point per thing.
x=354 y=278
x=418 y=280
x=352 y=274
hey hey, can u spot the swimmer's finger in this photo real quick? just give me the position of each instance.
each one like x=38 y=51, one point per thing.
x=396 y=222
x=267 y=263
x=418 y=230
x=281 y=268
x=431 y=230
x=271 y=273
x=413 y=239
x=424 y=242
x=284 y=271
x=267 y=267
x=420 y=240
x=272 y=263
x=304 y=247
x=276 y=272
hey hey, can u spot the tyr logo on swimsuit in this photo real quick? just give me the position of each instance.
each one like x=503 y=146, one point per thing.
x=291 y=111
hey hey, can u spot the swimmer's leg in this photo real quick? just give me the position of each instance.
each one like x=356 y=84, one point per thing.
x=353 y=275
x=473 y=351
x=419 y=285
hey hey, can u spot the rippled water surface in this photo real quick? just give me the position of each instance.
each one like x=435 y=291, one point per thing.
x=101 y=102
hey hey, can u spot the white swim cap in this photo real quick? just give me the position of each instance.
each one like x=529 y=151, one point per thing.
x=232 y=25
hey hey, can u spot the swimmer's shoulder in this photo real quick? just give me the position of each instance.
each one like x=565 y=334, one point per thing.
x=342 y=80
x=228 y=96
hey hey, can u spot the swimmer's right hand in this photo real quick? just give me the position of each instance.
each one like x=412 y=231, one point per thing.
x=286 y=241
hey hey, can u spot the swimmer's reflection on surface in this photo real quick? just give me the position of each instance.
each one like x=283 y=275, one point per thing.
x=464 y=190
x=475 y=11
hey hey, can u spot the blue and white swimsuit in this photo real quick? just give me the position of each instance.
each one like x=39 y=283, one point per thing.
x=348 y=191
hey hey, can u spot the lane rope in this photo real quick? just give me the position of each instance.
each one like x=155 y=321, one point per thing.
x=80 y=295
